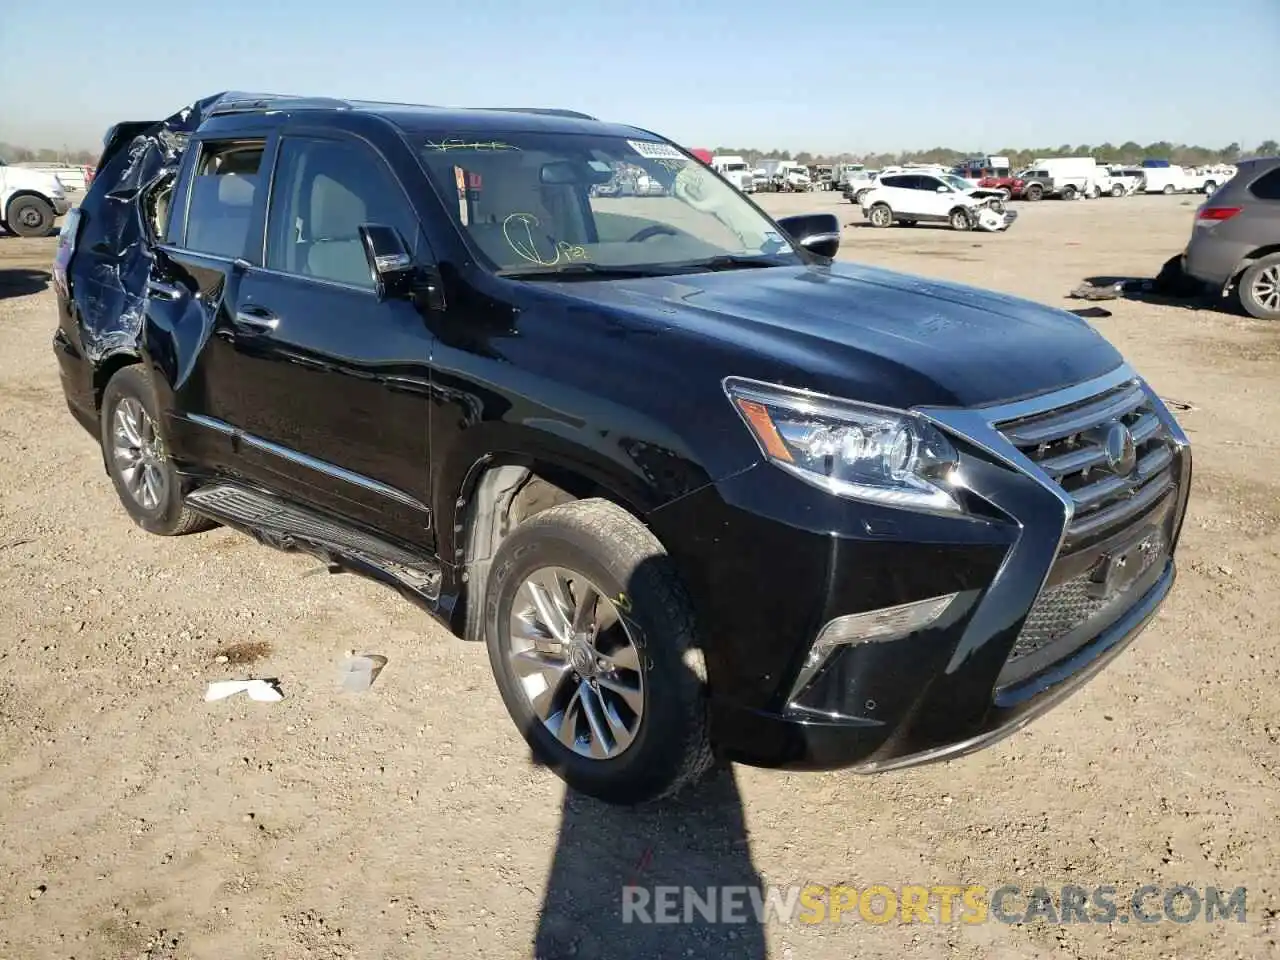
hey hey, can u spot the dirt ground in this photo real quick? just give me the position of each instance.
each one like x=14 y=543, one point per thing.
x=139 y=821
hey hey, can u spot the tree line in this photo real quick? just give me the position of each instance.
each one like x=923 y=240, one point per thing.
x=1130 y=152
x=16 y=153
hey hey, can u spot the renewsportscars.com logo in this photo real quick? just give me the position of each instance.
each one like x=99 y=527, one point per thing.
x=940 y=903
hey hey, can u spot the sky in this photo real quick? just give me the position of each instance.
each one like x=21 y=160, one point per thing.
x=859 y=76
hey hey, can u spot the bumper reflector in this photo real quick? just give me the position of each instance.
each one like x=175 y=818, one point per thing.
x=873 y=626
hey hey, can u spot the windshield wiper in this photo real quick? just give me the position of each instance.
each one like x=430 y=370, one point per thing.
x=584 y=271
x=732 y=261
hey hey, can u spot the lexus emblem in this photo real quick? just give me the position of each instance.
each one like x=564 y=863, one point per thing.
x=1119 y=449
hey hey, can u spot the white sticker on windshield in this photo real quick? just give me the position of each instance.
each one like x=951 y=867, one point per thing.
x=652 y=150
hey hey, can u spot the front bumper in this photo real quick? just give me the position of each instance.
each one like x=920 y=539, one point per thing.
x=769 y=561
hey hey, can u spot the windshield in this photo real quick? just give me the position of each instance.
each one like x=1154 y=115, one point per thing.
x=956 y=183
x=538 y=202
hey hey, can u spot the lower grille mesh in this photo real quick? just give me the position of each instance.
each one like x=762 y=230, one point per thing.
x=1062 y=608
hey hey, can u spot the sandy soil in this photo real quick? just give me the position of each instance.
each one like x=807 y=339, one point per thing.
x=139 y=821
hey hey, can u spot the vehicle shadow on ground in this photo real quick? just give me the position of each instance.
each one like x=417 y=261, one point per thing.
x=22 y=282
x=604 y=894
x=697 y=839
x=1168 y=288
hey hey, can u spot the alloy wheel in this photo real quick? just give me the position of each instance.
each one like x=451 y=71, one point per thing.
x=138 y=453
x=1266 y=288
x=576 y=662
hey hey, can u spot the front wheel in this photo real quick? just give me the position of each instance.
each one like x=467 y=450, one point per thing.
x=960 y=219
x=1034 y=192
x=1259 y=288
x=1209 y=188
x=591 y=639
x=880 y=215
x=146 y=482
x=29 y=216
x=1117 y=190
x=1168 y=189
x=858 y=197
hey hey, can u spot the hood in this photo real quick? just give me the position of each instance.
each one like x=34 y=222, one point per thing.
x=868 y=334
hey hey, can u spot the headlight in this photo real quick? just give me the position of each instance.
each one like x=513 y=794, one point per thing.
x=850 y=449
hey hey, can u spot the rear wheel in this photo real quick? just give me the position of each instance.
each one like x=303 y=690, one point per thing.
x=1117 y=190
x=29 y=216
x=1209 y=187
x=1068 y=192
x=960 y=219
x=880 y=215
x=1168 y=189
x=859 y=196
x=1259 y=288
x=144 y=477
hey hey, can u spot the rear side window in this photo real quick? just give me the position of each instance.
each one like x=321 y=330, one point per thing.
x=220 y=205
x=1267 y=186
x=893 y=181
x=324 y=190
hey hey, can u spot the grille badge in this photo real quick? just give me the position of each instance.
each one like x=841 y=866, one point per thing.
x=1120 y=450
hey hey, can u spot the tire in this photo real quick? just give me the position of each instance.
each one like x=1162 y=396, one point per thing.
x=126 y=399
x=880 y=215
x=1034 y=192
x=1095 y=192
x=1168 y=189
x=997 y=204
x=960 y=219
x=857 y=197
x=1117 y=190
x=1209 y=187
x=29 y=216
x=1259 y=288
x=1068 y=192
x=593 y=543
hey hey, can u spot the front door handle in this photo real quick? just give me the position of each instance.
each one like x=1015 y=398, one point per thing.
x=256 y=320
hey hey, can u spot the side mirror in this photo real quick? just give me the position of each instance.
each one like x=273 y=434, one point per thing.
x=819 y=233
x=389 y=261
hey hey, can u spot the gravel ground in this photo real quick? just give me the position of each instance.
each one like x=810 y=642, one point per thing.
x=409 y=821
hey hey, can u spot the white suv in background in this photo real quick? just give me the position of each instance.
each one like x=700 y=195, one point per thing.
x=910 y=198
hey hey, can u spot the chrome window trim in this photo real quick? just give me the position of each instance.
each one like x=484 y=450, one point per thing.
x=302 y=459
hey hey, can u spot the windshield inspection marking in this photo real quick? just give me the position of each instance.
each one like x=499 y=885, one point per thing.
x=469 y=145
x=525 y=246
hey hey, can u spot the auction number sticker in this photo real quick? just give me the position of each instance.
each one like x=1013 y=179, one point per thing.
x=652 y=150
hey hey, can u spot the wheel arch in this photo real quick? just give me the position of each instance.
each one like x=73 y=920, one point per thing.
x=106 y=368
x=1250 y=259
x=482 y=497
x=23 y=192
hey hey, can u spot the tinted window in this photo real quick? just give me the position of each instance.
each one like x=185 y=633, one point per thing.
x=221 y=198
x=1267 y=186
x=324 y=190
x=894 y=181
x=928 y=183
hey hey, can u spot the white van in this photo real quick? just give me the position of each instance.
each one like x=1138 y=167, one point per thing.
x=1170 y=179
x=1074 y=176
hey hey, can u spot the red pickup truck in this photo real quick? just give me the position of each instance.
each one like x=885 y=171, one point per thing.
x=1012 y=184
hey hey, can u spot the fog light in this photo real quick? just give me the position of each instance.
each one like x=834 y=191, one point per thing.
x=873 y=626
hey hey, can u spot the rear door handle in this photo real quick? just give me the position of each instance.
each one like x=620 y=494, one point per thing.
x=256 y=320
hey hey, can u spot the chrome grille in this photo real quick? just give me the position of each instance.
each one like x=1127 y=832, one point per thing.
x=1070 y=444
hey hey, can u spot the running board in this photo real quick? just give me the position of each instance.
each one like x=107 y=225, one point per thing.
x=278 y=523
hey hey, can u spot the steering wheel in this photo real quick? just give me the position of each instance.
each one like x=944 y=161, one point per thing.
x=653 y=230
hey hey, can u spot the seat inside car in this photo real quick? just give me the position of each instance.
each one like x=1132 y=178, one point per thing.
x=334 y=250
x=225 y=205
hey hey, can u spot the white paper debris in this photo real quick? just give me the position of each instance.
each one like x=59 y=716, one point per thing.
x=264 y=691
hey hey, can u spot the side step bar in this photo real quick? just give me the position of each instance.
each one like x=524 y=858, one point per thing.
x=278 y=523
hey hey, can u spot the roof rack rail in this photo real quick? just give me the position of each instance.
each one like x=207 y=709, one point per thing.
x=250 y=102
x=543 y=111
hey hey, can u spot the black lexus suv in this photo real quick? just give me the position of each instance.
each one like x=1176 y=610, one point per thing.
x=704 y=493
